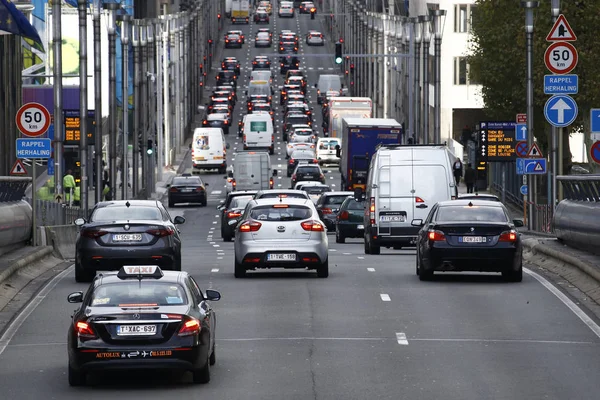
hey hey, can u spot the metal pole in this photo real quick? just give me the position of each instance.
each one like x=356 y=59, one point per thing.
x=135 y=164
x=411 y=79
x=83 y=105
x=58 y=99
x=159 y=100
x=529 y=6
x=556 y=132
x=417 y=82
x=438 y=29
x=144 y=107
x=426 y=25
x=166 y=91
x=125 y=18
x=112 y=95
x=97 y=99
x=151 y=94
x=34 y=204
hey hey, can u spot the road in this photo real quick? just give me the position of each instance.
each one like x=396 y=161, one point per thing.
x=370 y=330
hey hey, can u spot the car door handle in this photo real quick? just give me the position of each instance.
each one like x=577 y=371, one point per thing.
x=422 y=206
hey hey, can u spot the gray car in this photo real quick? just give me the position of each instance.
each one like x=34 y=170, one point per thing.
x=281 y=233
x=126 y=232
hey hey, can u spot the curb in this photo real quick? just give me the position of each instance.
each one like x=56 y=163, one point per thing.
x=535 y=247
x=38 y=254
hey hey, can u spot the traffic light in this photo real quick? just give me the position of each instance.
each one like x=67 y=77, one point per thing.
x=351 y=68
x=338 y=53
x=150 y=148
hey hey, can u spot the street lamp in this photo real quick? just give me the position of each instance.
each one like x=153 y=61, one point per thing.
x=439 y=21
x=96 y=14
x=529 y=6
x=125 y=19
x=426 y=36
x=83 y=105
x=557 y=148
x=412 y=131
x=112 y=93
x=135 y=156
x=417 y=82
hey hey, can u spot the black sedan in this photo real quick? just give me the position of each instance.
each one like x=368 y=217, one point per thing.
x=329 y=205
x=231 y=64
x=232 y=216
x=233 y=41
x=218 y=120
x=469 y=235
x=260 y=63
x=142 y=318
x=288 y=63
x=349 y=220
x=187 y=189
x=225 y=205
x=125 y=232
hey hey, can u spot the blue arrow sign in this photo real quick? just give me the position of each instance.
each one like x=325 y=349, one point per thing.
x=34 y=148
x=561 y=84
x=524 y=190
x=560 y=110
x=50 y=166
x=521 y=132
x=531 y=166
x=595 y=120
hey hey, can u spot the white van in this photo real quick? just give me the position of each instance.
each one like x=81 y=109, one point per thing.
x=326 y=153
x=404 y=183
x=261 y=75
x=209 y=150
x=253 y=171
x=258 y=132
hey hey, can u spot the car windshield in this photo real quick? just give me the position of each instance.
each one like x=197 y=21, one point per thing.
x=186 y=181
x=355 y=205
x=134 y=292
x=115 y=213
x=471 y=213
x=280 y=212
x=240 y=202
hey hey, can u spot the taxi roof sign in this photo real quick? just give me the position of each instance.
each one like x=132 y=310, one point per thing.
x=140 y=271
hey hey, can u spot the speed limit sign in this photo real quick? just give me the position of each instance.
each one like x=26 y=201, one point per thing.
x=33 y=119
x=560 y=57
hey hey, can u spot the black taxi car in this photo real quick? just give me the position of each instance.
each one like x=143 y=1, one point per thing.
x=139 y=318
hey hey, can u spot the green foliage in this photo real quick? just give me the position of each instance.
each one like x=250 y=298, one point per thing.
x=498 y=59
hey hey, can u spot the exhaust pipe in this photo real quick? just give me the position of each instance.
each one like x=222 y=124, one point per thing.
x=447 y=265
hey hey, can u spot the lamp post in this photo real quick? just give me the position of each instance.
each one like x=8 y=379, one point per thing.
x=439 y=19
x=411 y=79
x=557 y=149
x=83 y=106
x=166 y=89
x=426 y=37
x=135 y=156
x=96 y=15
x=417 y=81
x=151 y=106
x=529 y=6
x=58 y=98
x=159 y=100
x=112 y=93
x=125 y=19
x=143 y=105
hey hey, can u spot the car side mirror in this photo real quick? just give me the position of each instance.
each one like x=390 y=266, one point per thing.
x=212 y=295
x=227 y=146
x=315 y=85
x=205 y=183
x=338 y=150
x=230 y=174
x=417 y=222
x=168 y=185
x=221 y=207
x=75 y=297
x=225 y=177
x=232 y=222
x=179 y=220
x=518 y=223
x=79 y=221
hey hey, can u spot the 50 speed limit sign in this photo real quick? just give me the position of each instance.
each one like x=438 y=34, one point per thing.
x=560 y=57
x=33 y=119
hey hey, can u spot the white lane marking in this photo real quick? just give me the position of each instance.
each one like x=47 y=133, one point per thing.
x=332 y=250
x=360 y=258
x=475 y=340
x=401 y=338
x=567 y=302
x=346 y=254
x=216 y=192
x=374 y=339
x=371 y=269
x=385 y=297
x=219 y=258
x=214 y=270
x=212 y=242
x=214 y=222
x=21 y=317
x=217 y=216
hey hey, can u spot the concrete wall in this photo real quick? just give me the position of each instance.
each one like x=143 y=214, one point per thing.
x=61 y=238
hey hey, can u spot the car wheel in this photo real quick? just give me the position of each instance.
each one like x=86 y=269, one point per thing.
x=81 y=275
x=424 y=274
x=417 y=263
x=202 y=374
x=289 y=174
x=204 y=202
x=226 y=237
x=367 y=250
x=76 y=376
x=323 y=270
x=239 y=269
x=513 y=276
x=374 y=248
x=339 y=238
x=272 y=150
x=213 y=356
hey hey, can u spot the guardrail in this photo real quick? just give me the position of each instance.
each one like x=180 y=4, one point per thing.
x=581 y=187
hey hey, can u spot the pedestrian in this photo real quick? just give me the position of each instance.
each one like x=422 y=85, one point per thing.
x=470 y=178
x=457 y=170
x=69 y=185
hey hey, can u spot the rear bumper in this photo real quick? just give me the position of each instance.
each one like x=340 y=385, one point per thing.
x=187 y=197
x=472 y=259
x=310 y=249
x=208 y=164
x=350 y=229
x=112 y=259
x=401 y=236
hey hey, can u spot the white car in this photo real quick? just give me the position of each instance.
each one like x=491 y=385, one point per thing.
x=326 y=151
x=299 y=143
x=300 y=184
x=306 y=134
x=286 y=10
x=315 y=38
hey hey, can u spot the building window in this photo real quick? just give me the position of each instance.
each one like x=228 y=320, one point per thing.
x=463 y=14
x=462 y=71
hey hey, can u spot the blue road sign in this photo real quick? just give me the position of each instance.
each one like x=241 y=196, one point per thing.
x=34 y=148
x=531 y=166
x=524 y=190
x=521 y=149
x=521 y=132
x=561 y=84
x=50 y=132
x=50 y=166
x=560 y=110
x=595 y=152
x=595 y=120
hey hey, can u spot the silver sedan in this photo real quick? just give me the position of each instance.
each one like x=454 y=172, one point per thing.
x=281 y=233
x=315 y=38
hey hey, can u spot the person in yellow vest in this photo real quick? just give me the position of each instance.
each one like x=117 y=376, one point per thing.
x=77 y=196
x=68 y=185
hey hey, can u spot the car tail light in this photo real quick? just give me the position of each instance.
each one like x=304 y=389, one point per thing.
x=508 y=236
x=250 y=226
x=326 y=210
x=271 y=183
x=200 y=189
x=244 y=137
x=294 y=177
x=372 y=211
x=436 y=236
x=292 y=160
x=312 y=226
x=344 y=215
x=321 y=176
x=315 y=161
x=84 y=330
x=233 y=183
x=93 y=233
x=173 y=190
x=190 y=327
x=419 y=200
x=226 y=40
x=161 y=232
x=233 y=214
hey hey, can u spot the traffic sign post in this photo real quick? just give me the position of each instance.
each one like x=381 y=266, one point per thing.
x=34 y=148
x=521 y=132
x=524 y=190
x=560 y=110
x=534 y=151
x=595 y=152
x=561 y=57
x=595 y=120
x=561 y=84
x=521 y=149
x=18 y=168
x=521 y=118
x=33 y=119
x=561 y=31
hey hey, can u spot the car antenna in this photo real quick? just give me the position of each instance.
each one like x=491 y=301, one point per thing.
x=470 y=204
x=280 y=199
x=127 y=204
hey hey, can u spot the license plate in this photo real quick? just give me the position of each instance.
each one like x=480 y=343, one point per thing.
x=251 y=144
x=136 y=330
x=281 y=257
x=392 y=218
x=186 y=190
x=473 y=239
x=200 y=159
x=127 y=237
x=308 y=176
x=360 y=227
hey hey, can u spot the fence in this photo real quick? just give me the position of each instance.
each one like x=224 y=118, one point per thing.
x=49 y=213
x=581 y=187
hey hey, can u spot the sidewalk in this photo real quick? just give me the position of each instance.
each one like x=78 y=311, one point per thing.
x=169 y=172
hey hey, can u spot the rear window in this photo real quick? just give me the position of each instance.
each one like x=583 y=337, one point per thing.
x=328 y=145
x=336 y=199
x=308 y=170
x=316 y=189
x=240 y=201
x=245 y=196
x=147 y=292
x=327 y=84
x=474 y=213
x=355 y=205
x=186 y=181
x=283 y=213
x=283 y=195
x=116 y=213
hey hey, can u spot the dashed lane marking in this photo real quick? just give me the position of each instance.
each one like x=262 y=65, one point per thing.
x=214 y=270
x=385 y=297
x=401 y=338
x=371 y=269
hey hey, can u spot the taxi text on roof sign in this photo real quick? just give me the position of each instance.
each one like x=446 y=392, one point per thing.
x=139 y=271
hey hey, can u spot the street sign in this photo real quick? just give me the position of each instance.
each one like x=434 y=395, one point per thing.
x=521 y=149
x=595 y=152
x=521 y=118
x=497 y=141
x=18 y=168
x=534 y=151
x=33 y=119
x=561 y=84
x=561 y=57
x=482 y=145
x=72 y=121
x=34 y=148
x=560 y=110
x=561 y=31
x=524 y=190
x=50 y=170
x=521 y=132
x=595 y=119
x=531 y=166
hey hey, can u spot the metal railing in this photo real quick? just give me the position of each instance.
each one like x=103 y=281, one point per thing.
x=49 y=213
x=13 y=188
x=581 y=187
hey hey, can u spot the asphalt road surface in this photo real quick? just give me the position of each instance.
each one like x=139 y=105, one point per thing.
x=371 y=330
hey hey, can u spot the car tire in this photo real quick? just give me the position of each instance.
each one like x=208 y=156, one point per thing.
x=226 y=238
x=373 y=248
x=213 y=356
x=367 y=250
x=323 y=270
x=272 y=150
x=424 y=274
x=202 y=374
x=204 y=202
x=289 y=174
x=513 y=276
x=239 y=269
x=76 y=377
x=81 y=275
x=339 y=238
x=417 y=264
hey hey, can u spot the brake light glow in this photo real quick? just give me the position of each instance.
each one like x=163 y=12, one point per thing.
x=250 y=226
x=436 y=236
x=372 y=211
x=419 y=200
x=280 y=206
x=200 y=189
x=271 y=183
x=173 y=190
x=233 y=214
x=93 y=233
x=326 y=210
x=84 y=330
x=508 y=236
x=312 y=226
x=190 y=327
x=161 y=232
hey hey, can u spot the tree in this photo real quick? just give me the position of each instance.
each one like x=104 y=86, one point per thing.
x=498 y=61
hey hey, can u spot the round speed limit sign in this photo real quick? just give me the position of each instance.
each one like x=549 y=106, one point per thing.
x=560 y=57
x=33 y=119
